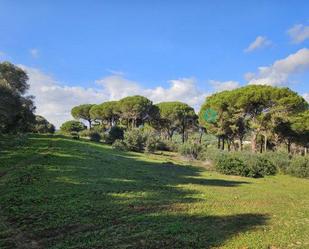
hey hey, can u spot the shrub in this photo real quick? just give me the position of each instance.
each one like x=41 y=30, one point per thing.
x=151 y=142
x=245 y=164
x=211 y=153
x=167 y=145
x=72 y=126
x=94 y=136
x=299 y=166
x=258 y=165
x=230 y=164
x=191 y=150
x=91 y=134
x=280 y=159
x=74 y=135
x=135 y=140
x=114 y=133
x=119 y=145
x=84 y=133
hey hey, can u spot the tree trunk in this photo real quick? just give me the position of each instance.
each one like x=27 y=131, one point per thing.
x=253 y=142
x=228 y=144
x=265 y=143
x=89 y=121
x=234 y=145
x=261 y=146
x=241 y=144
x=219 y=143
x=200 y=138
x=223 y=143
x=289 y=146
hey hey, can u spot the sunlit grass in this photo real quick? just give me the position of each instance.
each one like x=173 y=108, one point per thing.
x=61 y=193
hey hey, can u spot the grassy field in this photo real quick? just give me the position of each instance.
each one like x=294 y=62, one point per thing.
x=62 y=193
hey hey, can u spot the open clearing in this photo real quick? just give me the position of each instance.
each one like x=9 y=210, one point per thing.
x=61 y=193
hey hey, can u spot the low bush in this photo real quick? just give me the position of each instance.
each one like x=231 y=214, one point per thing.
x=257 y=164
x=94 y=136
x=74 y=135
x=120 y=145
x=211 y=153
x=245 y=164
x=135 y=140
x=151 y=142
x=84 y=133
x=281 y=160
x=167 y=145
x=299 y=166
x=191 y=150
x=231 y=164
x=114 y=133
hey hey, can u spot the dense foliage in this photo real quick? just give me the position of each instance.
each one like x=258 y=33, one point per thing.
x=244 y=164
x=16 y=108
x=82 y=112
x=269 y=114
x=41 y=125
x=72 y=126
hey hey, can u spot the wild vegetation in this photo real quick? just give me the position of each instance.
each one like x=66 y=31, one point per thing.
x=134 y=174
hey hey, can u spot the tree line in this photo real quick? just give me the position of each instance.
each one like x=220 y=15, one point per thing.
x=270 y=116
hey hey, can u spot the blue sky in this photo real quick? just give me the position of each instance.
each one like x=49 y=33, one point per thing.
x=102 y=48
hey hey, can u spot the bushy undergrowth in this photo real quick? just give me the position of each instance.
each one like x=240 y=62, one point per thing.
x=120 y=145
x=135 y=140
x=93 y=135
x=151 y=143
x=281 y=160
x=114 y=133
x=241 y=163
x=191 y=150
x=167 y=145
x=299 y=166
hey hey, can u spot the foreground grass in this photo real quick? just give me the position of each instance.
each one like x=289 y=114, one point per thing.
x=61 y=193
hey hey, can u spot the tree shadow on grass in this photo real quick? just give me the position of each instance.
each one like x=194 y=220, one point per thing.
x=89 y=196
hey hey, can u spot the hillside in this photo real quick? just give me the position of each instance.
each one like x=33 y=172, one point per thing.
x=61 y=193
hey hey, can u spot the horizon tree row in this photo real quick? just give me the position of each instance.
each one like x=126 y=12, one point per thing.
x=135 y=111
x=268 y=115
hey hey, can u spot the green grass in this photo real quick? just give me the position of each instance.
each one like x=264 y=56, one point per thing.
x=62 y=193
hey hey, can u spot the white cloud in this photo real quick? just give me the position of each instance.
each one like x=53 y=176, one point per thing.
x=224 y=85
x=184 y=89
x=259 y=42
x=299 y=33
x=281 y=71
x=54 y=100
x=306 y=97
x=34 y=52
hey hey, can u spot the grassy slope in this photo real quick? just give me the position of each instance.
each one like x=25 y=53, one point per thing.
x=61 y=193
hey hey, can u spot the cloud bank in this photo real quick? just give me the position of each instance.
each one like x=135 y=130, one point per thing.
x=280 y=71
x=54 y=100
